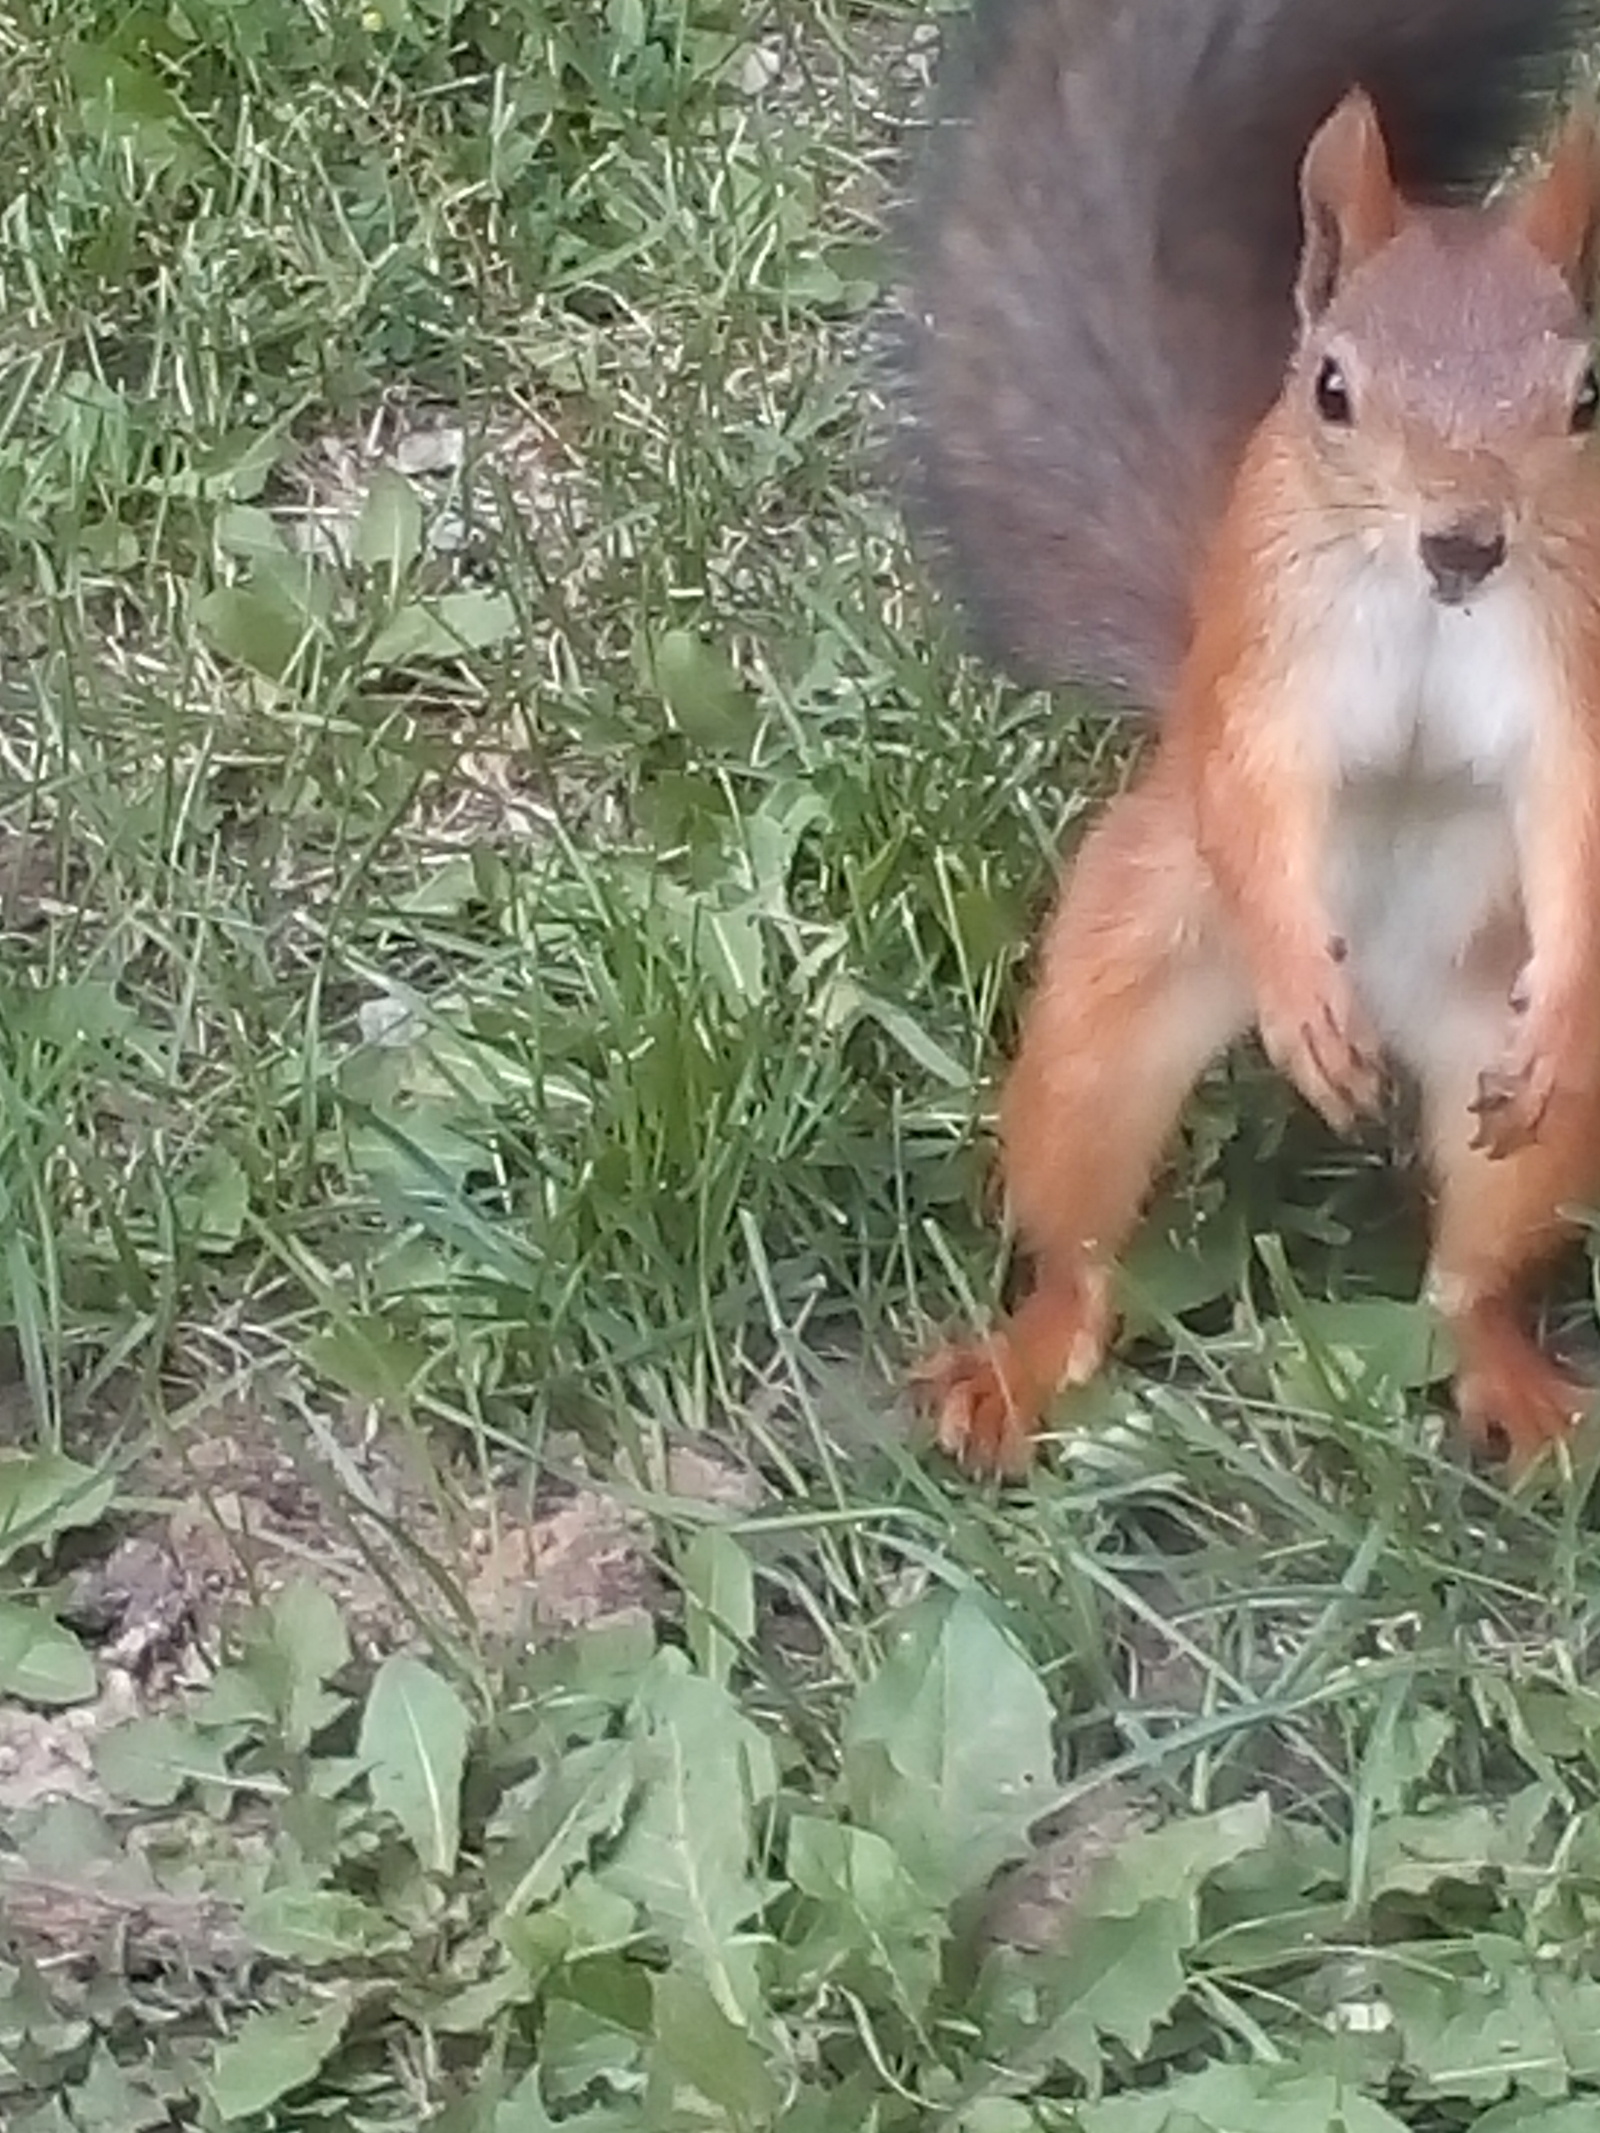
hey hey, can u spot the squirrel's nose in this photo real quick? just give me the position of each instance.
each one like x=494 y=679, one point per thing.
x=1461 y=558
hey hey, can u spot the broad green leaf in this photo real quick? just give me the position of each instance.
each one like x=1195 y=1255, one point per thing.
x=628 y=25
x=726 y=940
x=41 y=1661
x=1121 y=1977
x=235 y=1696
x=1174 y=1267
x=214 y=1202
x=585 y=1919
x=523 y=2111
x=1172 y=1864
x=29 y=2013
x=477 y=2007
x=238 y=466
x=854 y=2105
x=720 y=1592
x=291 y=1648
x=1121 y=1971
x=312 y=1925
x=1546 y=1724
x=107 y=544
x=249 y=533
x=50 y=2117
x=985 y=926
x=253 y=628
x=772 y=837
x=551 y=1823
x=130 y=103
x=700 y=688
x=272 y=2056
x=1477 y=2038
x=388 y=534
x=71 y=1012
x=332 y=1775
x=714 y=2055
x=1282 y=1897
x=414 y=1735
x=1573 y=2005
x=598 y=1920
x=817 y=282
x=1375 y=1339
x=1401 y=1755
x=107 y=2101
x=1413 y=1854
x=446 y=628
x=1242 y=2099
x=600 y=2040
x=370 y=1359
x=947 y=1748
x=874 y=1926
x=103 y=70
x=46 y=1494
x=1015 y=2007
x=420 y=1156
x=301 y=584
x=1526 y=2116
x=68 y=1835
x=685 y=1857
x=151 y=1761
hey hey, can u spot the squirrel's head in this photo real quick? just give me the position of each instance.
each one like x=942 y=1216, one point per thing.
x=1444 y=374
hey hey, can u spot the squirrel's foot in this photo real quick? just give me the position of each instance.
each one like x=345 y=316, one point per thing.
x=1508 y=1388
x=986 y=1408
x=988 y=1397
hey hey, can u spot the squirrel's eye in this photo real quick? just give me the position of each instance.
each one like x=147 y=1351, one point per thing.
x=1586 y=407
x=1333 y=394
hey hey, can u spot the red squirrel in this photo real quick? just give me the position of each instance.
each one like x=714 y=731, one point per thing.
x=1231 y=392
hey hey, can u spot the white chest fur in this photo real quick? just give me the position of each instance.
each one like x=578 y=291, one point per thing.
x=1430 y=715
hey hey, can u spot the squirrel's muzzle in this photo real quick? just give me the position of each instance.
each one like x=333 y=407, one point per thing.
x=1461 y=558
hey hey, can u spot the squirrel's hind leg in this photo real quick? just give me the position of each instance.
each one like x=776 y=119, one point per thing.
x=1497 y=1223
x=1137 y=991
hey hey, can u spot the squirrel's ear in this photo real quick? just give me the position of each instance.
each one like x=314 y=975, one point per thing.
x=1559 y=212
x=1348 y=201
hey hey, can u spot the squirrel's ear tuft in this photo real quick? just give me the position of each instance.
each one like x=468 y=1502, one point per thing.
x=1559 y=212
x=1348 y=201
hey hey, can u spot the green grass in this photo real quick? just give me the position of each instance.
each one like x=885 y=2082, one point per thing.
x=519 y=961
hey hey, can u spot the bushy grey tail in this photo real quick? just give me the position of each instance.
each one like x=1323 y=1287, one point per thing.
x=1102 y=252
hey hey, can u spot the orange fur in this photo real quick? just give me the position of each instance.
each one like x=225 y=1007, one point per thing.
x=1137 y=991
x=1330 y=720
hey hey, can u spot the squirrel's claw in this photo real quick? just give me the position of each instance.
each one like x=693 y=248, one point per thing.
x=1328 y=1051
x=986 y=1412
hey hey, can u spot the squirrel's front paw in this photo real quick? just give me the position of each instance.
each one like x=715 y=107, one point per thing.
x=1315 y=1032
x=1514 y=1094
